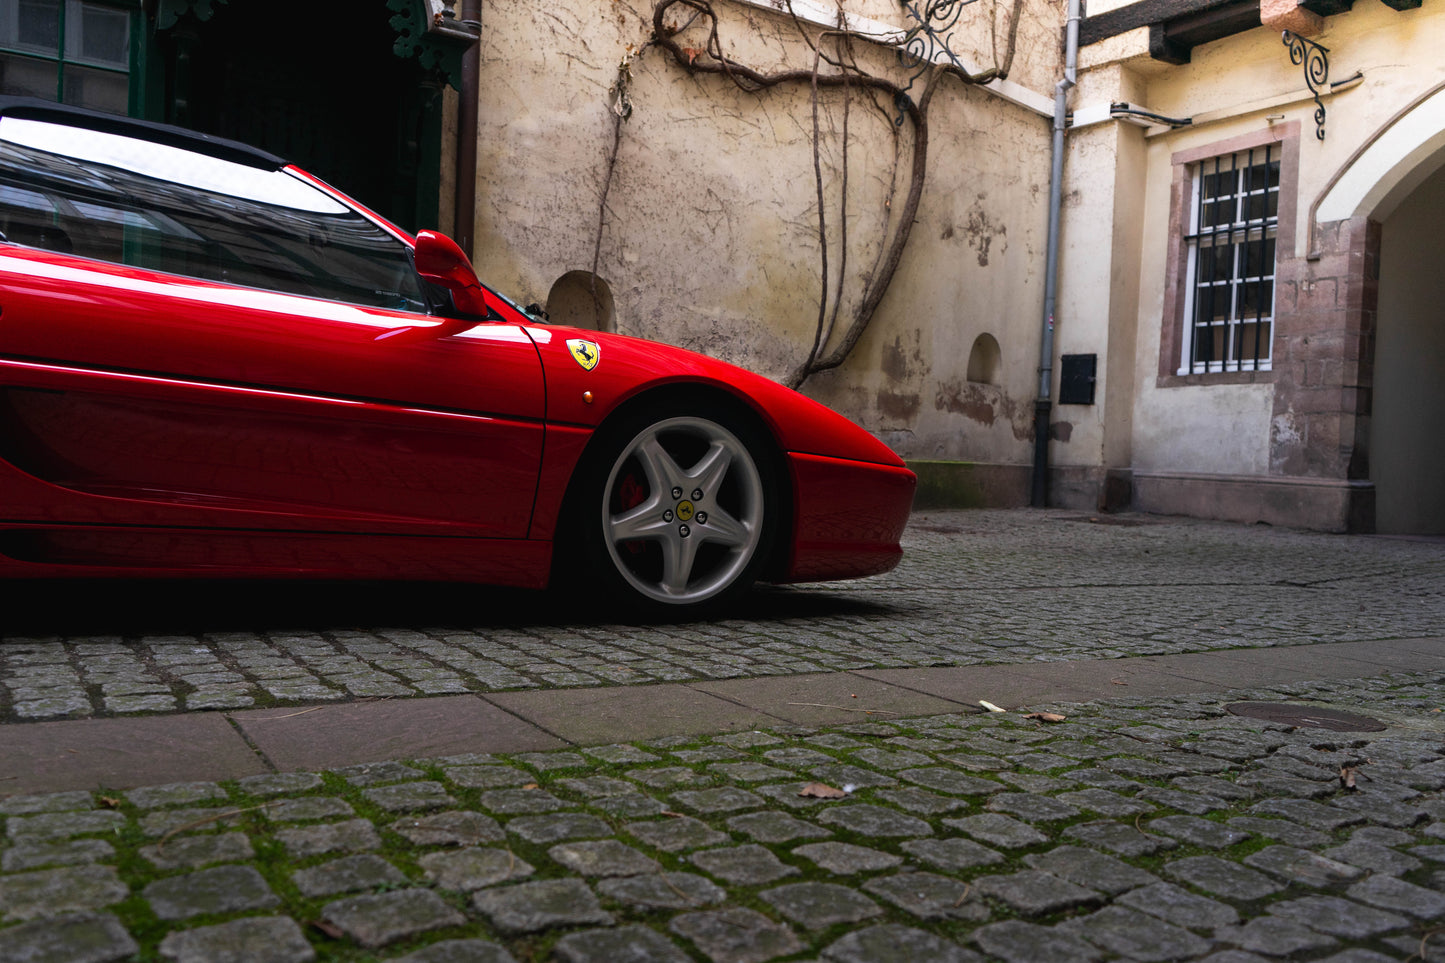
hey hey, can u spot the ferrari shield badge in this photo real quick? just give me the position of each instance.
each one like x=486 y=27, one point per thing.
x=584 y=353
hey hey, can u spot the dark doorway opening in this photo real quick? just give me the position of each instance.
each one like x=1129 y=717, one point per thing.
x=319 y=87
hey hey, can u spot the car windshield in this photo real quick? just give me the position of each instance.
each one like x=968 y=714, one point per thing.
x=163 y=208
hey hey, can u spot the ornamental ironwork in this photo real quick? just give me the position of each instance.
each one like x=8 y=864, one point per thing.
x=169 y=12
x=1316 y=62
x=928 y=40
x=431 y=31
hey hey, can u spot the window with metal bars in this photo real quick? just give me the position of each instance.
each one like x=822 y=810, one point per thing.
x=1229 y=290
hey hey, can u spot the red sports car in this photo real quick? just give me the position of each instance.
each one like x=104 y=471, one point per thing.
x=213 y=364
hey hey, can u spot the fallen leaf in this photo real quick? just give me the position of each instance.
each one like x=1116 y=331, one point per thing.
x=692 y=53
x=531 y=785
x=1347 y=777
x=329 y=929
x=1118 y=682
x=110 y=802
x=990 y=706
x=821 y=790
x=1046 y=716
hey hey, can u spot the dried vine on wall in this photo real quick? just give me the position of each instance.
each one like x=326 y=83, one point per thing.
x=835 y=68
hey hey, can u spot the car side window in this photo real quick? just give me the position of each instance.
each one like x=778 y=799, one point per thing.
x=129 y=201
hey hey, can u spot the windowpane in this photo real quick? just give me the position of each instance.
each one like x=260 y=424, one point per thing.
x=97 y=89
x=163 y=208
x=97 y=35
x=1217 y=263
x=1258 y=207
x=35 y=26
x=26 y=77
x=1262 y=177
x=1256 y=298
x=1208 y=344
x=1218 y=182
x=1209 y=305
x=1259 y=257
x=1248 y=336
x=1218 y=213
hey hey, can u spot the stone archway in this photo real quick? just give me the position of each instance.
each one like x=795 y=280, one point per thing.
x=1389 y=201
x=1407 y=462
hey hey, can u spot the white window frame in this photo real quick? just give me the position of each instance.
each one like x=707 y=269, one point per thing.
x=1241 y=352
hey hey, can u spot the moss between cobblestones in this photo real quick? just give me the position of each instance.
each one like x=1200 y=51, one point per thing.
x=695 y=755
x=134 y=912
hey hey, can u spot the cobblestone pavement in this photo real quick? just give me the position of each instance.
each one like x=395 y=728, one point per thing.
x=1133 y=830
x=975 y=587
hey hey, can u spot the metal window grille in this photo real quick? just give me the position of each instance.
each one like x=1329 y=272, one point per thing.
x=1229 y=310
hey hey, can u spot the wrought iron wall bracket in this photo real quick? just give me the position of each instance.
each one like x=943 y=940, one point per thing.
x=1316 y=62
x=928 y=41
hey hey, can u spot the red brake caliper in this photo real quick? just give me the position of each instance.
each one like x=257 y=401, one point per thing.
x=630 y=494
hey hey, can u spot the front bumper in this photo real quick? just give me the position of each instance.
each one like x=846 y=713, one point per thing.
x=848 y=517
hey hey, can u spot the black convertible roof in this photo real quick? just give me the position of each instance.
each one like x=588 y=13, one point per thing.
x=29 y=108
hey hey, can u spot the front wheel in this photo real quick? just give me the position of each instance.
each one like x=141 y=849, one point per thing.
x=681 y=510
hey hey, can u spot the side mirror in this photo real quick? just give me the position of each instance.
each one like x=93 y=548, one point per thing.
x=440 y=261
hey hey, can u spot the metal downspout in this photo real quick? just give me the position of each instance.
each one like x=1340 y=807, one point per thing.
x=465 y=210
x=1040 y=494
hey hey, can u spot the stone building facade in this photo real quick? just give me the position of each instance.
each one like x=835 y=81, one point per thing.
x=1248 y=321
x=1324 y=423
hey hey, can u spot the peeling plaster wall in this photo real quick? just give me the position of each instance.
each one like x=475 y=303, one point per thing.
x=710 y=237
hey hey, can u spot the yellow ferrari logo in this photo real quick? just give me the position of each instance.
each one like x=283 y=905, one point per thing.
x=685 y=511
x=584 y=353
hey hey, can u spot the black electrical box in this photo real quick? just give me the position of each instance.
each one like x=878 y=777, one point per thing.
x=1077 y=374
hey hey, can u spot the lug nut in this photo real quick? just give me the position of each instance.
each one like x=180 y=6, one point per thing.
x=676 y=493
x=684 y=531
x=697 y=494
x=702 y=518
x=667 y=515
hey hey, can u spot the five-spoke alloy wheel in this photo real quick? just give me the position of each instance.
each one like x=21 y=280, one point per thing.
x=683 y=517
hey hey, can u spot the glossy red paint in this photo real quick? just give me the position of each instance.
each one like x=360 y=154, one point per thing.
x=184 y=398
x=31 y=551
x=847 y=517
x=153 y=424
x=630 y=366
x=627 y=368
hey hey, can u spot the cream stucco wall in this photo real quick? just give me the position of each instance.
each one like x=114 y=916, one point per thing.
x=710 y=234
x=1232 y=87
x=709 y=238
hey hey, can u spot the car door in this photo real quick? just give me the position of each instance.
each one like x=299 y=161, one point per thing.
x=180 y=350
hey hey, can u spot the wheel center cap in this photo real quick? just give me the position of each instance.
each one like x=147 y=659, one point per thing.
x=685 y=511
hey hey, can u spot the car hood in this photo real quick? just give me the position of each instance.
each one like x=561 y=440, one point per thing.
x=590 y=373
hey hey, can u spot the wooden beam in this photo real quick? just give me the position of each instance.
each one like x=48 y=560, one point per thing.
x=1328 y=8
x=1163 y=49
x=1145 y=13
